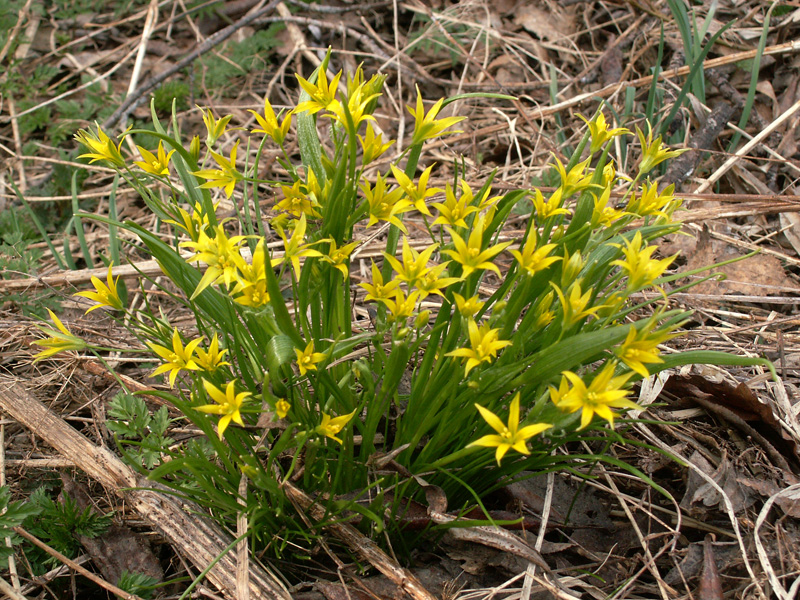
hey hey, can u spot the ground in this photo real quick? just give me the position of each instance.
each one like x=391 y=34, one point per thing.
x=721 y=523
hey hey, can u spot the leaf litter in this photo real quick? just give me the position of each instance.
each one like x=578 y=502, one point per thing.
x=725 y=524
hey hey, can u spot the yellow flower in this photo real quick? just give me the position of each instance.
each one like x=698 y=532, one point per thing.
x=576 y=180
x=470 y=255
x=483 y=346
x=296 y=201
x=282 y=408
x=155 y=165
x=452 y=211
x=372 y=145
x=431 y=283
x=322 y=94
x=195 y=223
x=468 y=307
x=210 y=360
x=377 y=290
x=401 y=307
x=417 y=194
x=574 y=307
x=571 y=267
x=544 y=316
x=600 y=132
x=228 y=404
x=330 y=427
x=226 y=176
x=604 y=215
x=508 y=436
x=653 y=152
x=294 y=248
x=220 y=253
x=383 y=205
x=642 y=269
x=650 y=202
x=318 y=194
x=104 y=294
x=603 y=394
x=101 y=147
x=533 y=259
x=251 y=286
x=269 y=123
x=214 y=127
x=547 y=208
x=338 y=257
x=194 y=148
x=427 y=127
x=176 y=359
x=60 y=340
x=414 y=265
x=307 y=359
x=358 y=104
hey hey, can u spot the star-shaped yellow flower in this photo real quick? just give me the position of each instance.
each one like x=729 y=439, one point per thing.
x=100 y=147
x=330 y=427
x=176 y=359
x=468 y=307
x=295 y=247
x=419 y=193
x=307 y=359
x=60 y=340
x=604 y=393
x=508 y=436
x=282 y=408
x=600 y=132
x=484 y=344
x=226 y=176
x=532 y=259
x=323 y=95
x=155 y=165
x=372 y=145
x=220 y=253
x=653 y=151
x=214 y=127
x=228 y=404
x=104 y=294
x=453 y=210
x=470 y=255
x=338 y=257
x=377 y=291
x=426 y=126
x=385 y=205
x=210 y=360
x=642 y=269
x=269 y=123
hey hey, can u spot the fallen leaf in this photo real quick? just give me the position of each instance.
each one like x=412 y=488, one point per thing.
x=547 y=20
x=710 y=585
x=118 y=549
x=741 y=402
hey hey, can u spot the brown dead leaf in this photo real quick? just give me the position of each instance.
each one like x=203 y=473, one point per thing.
x=736 y=405
x=117 y=550
x=767 y=489
x=710 y=585
x=790 y=224
x=611 y=63
x=700 y=492
x=759 y=275
x=545 y=19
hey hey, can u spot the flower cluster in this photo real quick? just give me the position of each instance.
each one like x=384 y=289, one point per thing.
x=462 y=310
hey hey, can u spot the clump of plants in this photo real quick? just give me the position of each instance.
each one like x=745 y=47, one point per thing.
x=468 y=375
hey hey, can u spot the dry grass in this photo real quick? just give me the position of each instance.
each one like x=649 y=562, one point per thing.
x=735 y=498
